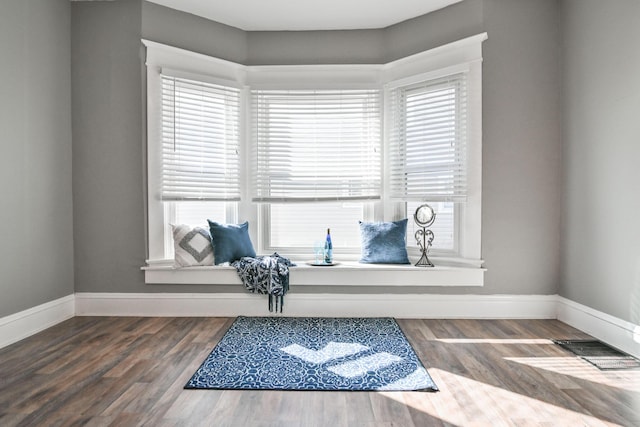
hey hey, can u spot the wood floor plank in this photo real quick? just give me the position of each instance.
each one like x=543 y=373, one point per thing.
x=11 y=420
x=359 y=409
x=111 y=371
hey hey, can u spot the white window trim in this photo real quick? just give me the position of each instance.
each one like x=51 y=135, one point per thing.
x=430 y=63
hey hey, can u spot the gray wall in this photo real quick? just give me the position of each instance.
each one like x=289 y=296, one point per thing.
x=108 y=173
x=186 y=31
x=521 y=147
x=36 y=224
x=521 y=195
x=366 y=46
x=435 y=29
x=601 y=133
x=315 y=47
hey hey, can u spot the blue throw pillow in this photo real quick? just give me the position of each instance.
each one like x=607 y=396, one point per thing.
x=230 y=242
x=384 y=242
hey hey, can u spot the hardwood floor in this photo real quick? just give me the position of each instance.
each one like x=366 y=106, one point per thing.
x=117 y=371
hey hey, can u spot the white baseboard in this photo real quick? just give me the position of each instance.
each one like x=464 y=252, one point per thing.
x=21 y=325
x=612 y=330
x=424 y=306
x=616 y=332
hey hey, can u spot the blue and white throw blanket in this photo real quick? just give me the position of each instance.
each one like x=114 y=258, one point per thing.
x=266 y=275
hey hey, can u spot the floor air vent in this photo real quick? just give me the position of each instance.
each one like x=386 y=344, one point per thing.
x=599 y=354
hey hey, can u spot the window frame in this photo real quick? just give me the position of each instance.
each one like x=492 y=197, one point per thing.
x=466 y=53
x=323 y=79
x=461 y=56
x=189 y=65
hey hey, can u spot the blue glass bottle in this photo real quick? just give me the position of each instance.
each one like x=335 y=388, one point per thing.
x=328 y=248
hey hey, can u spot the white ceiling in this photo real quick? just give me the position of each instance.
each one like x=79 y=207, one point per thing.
x=297 y=15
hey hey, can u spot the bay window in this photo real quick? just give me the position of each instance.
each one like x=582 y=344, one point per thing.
x=297 y=150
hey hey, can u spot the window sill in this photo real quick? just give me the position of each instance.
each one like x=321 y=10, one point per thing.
x=342 y=274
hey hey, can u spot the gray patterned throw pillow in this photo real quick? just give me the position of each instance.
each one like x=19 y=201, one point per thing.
x=192 y=246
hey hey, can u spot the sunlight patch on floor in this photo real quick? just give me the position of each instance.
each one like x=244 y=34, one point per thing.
x=408 y=382
x=495 y=406
x=575 y=367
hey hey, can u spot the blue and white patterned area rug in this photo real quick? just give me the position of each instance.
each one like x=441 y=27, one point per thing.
x=293 y=353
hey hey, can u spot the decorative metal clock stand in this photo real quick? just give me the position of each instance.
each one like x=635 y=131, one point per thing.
x=424 y=217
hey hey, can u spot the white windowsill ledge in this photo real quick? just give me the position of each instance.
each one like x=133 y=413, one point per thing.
x=343 y=274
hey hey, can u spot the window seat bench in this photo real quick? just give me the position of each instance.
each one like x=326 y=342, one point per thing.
x=343 y=274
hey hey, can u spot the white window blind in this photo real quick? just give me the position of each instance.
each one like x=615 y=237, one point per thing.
x=313 y=145
x=200 y=140
x=428 y=134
